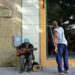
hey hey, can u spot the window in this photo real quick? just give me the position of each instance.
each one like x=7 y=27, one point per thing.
x=64 y=12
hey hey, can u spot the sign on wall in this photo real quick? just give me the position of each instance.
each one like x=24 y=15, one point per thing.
x=17 y=40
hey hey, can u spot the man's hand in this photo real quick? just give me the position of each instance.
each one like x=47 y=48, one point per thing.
x=56 y=49
x=29 y=51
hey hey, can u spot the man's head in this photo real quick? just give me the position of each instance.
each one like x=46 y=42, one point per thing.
x=55 y=24
x=26 y=40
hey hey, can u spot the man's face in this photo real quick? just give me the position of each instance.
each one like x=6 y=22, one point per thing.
x=27 y=43
x=54 y=26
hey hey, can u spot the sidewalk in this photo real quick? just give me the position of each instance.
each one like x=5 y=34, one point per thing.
x=45 y=71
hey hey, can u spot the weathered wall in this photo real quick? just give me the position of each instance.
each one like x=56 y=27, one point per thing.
x=10 y=26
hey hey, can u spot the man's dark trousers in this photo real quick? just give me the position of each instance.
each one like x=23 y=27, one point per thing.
x=62 y=53
x=23 y=61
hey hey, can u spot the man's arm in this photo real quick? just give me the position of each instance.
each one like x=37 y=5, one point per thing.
x=30 y=47
x=55 y=39
x=21 y=52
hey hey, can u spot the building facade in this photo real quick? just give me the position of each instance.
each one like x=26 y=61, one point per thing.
x=28 y=19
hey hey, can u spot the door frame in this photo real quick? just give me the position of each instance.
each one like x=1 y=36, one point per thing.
x=43 y=57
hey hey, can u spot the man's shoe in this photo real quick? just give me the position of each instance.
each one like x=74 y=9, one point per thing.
x=28 y=70
x=21 y=70
x=61 y=73
x=67 y=71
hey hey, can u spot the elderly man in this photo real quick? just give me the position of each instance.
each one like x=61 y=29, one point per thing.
x=60 y=48
x=27 y=56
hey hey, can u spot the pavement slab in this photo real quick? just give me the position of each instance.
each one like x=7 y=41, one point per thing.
x=45 y=71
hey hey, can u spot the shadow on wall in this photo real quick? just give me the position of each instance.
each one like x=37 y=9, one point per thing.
x=10 y=61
